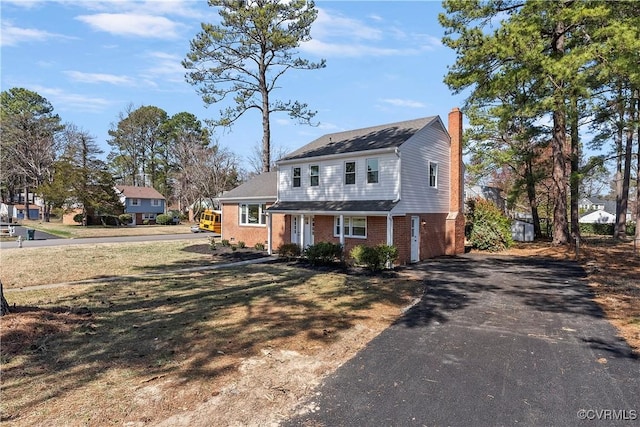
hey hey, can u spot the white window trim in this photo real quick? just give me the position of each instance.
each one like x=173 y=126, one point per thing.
x=134 y=202
x=262 y=216
x=311 y=175
x=349 y=232
x=377 y=170
x=149 y=216
x=354 y=173
x=436 y=175
x=155 y=202
x=293 y=177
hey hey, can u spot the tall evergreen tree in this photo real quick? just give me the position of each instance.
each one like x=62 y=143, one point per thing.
x=246 y=55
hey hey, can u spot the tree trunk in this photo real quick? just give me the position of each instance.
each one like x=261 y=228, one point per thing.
x=4 y=305
x=533 y=202
x=574 y=181
x=620 y=229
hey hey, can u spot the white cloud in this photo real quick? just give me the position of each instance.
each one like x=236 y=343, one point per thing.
x=72 y=101
x=12 y=35
x=334 y=35
x=165 y=66
x=148 y=26
x=409 y=103
x=100 y=78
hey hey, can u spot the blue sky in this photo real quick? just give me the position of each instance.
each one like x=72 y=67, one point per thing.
x=92 y=59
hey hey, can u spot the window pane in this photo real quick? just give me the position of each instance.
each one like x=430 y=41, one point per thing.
x=315 y=175
x=243 y=214
x=296 y=177
x=350 y=173
x=359 y=226
x=433 y=174
x=253 y=214
x=372 y=171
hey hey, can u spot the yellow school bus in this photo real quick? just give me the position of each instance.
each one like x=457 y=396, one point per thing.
x=211 y=220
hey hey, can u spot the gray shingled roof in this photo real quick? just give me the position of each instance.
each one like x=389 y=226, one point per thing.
x=264 y=185
x=336 y=206
x=371 y=138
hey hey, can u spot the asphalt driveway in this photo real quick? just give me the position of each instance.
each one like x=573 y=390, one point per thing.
x=495 y=341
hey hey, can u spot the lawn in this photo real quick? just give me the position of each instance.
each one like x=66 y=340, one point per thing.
x=245 y=344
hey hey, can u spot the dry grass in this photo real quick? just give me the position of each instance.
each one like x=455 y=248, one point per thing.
x=58 y=264
x=141 y=350
x=78 y=231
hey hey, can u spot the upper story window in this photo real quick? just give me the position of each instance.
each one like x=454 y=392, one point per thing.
x=350 y=173
x=372 y=171
x=155 y=202
x=253 y=214
x=134 y=202
x=433 y=175
x=314 y=175
x=297 y=176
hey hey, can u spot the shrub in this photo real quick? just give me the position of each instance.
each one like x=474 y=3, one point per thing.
x=289 y=250
x=259 y=246
x=323 y=253
x=112 y=220
x=225 y=243
x=78 y=218
x=164 y=219
x=145 y=222
x=241 y=245
x=374 y=258
x=125 y=218
x=212 y=244
x=490 y=230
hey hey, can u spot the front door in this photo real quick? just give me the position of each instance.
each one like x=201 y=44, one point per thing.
x=308 y=231
x=295 y=229
x=415 y=238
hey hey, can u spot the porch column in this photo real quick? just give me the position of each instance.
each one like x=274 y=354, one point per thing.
x=269 y=230
x=389 y=230
x=302 y=231
x=342 y=230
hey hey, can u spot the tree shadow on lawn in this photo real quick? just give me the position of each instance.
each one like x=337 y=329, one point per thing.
x=190 y=326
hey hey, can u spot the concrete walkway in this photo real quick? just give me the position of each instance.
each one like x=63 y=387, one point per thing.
x=495 y=341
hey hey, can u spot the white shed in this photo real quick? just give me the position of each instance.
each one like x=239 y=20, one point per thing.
x=598 y=217
x=522 y=231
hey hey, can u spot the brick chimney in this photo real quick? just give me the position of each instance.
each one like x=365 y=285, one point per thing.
x=456 y=170
x=455 y=219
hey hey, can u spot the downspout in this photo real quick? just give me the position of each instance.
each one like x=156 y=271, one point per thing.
x=269 y=230
x=399 y=174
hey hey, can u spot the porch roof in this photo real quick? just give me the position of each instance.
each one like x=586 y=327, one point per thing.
x=360 y=207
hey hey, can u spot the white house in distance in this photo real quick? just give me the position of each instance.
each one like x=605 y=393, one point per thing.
x=398 y=184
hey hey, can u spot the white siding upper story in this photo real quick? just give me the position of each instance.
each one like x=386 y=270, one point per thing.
x=403 y=175
x=430 y=144
x=331 y=182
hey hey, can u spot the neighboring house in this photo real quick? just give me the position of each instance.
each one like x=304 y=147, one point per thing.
x=16 y=208
x=598 y=217
x=244 y=212
x=143 y=203
x=588 y=204
x=398 y=184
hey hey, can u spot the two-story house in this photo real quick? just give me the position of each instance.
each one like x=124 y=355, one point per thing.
x=397 y=184
x=143 y=203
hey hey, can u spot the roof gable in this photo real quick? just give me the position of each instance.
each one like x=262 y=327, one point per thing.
x=371 y=138
x=134 y=192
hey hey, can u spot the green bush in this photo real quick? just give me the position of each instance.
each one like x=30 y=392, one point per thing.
x=259 y=247
x=241 y=245
x=164 y=219
x=289 y=250
x=78 y=218
x=323 y=253
x=606 y=229
x=212 y=244
x=125 y=218
x=489 y=229
x=225 y=243
x=374 y=258
x=145 y=222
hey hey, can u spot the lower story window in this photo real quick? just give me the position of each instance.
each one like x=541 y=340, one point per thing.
x=149 y=216
x=354 y=226
x=253 y=214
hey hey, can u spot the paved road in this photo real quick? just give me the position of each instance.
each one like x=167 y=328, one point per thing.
x=494 y=342
x=45 y=239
